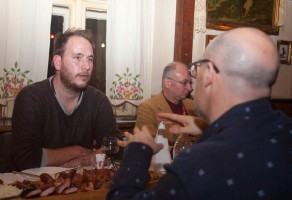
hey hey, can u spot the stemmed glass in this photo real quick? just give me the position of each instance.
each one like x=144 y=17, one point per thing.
x=110 y=147
x=182 y=142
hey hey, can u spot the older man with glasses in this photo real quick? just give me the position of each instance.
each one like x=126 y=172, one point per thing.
x=176 y=86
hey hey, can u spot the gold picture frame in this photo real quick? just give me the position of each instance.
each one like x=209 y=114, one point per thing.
x=209 y=38
x=285 y=51
x=228 y=14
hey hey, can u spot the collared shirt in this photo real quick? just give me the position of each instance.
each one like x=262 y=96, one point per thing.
x=177 y=108
x=245 y=154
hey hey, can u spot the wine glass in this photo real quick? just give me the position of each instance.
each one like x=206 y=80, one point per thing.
x=182 y=142
x=110 y=147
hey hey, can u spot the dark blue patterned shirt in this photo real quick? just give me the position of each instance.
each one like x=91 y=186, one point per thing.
x=245 y=154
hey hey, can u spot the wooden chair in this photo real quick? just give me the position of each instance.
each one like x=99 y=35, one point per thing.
x=5 y=152
x=125 y=122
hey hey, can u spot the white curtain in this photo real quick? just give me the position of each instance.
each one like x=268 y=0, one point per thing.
x=25 y=37
x=129 y=50
x=200 y=16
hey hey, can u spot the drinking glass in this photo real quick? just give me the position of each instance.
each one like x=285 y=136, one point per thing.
x=86 y=162
x=110 y=147
x=182 y=142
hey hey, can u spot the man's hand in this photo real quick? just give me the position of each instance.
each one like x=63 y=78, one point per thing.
x=75 y=162
x=144 y=137
x=183 y=123
x=66 y=156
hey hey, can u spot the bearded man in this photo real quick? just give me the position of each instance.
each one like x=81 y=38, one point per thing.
x=57 y=120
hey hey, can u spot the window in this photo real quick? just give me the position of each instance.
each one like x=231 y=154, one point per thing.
x=89 y=15
x=59 y=23
x=96 y=22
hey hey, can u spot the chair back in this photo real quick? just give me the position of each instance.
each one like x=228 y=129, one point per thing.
x=5 y=152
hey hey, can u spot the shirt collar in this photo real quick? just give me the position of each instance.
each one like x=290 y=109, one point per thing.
x=238 y=112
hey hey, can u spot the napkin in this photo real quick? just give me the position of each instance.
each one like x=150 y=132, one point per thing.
x=99 y=160
x=163 y=156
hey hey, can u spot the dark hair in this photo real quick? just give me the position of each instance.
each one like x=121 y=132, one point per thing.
x=61 y=39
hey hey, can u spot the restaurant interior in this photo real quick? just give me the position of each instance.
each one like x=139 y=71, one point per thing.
x=133 y=39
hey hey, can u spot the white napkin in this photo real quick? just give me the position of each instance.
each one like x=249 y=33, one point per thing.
x=163 y=156
x=99 y=160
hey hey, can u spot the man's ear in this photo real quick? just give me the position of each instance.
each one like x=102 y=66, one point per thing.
x=166 y=82
x=210 y=75
x=57 y=62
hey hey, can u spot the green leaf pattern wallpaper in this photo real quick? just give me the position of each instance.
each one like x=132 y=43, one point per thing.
x=13 y=81
x=126 y=86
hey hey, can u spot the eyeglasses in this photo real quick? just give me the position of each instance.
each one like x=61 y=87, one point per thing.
x=193 y=67
x=184 y=83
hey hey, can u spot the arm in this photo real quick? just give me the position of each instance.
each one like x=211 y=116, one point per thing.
x=26 y=147
x=132 y=176
x=104 y=120
x=67 y=156
x=146 y=116
x=75 y=161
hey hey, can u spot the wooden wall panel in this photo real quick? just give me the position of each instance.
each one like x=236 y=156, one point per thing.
x=184 y=26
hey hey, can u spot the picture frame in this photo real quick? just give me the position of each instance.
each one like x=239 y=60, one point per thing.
x=209 y=38
x=285 y=51
x=228 y=14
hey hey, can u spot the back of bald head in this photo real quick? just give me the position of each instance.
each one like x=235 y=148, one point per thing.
x=247 y=55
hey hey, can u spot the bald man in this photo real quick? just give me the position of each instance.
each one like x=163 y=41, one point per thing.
x=245 y=153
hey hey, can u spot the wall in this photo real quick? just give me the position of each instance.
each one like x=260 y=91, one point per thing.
x=163 y=44
x=283 y=86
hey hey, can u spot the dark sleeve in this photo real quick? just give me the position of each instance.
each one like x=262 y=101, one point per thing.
x=106 y=124
x=26 y=132
x=133 y=175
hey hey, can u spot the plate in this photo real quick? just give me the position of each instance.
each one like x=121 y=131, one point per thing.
x=9 y=192
x=49 y=170
x=10 y=197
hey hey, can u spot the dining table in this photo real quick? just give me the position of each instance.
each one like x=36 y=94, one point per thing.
x=99 y=194
x=34 y=175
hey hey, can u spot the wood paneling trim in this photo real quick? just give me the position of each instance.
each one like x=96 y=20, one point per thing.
x=184 y=26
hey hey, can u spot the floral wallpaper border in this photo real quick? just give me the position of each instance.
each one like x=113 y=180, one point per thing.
x=13 y=81
x=127 y=86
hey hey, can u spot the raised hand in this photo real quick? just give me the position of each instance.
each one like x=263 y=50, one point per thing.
x=142 y=136
x=183 y=123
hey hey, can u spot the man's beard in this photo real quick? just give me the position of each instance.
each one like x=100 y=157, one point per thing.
x=69 y=83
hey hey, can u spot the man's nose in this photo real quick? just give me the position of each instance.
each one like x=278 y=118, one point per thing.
x=189 y=86
x=86 y=64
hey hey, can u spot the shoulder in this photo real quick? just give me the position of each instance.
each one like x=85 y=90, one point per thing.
x=95 y=96
x=154 y=101
x=188 y=102
x=94 y=92
x=39 y=89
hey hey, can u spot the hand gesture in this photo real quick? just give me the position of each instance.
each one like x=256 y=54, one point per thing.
x=183 y=123
x=144 y=137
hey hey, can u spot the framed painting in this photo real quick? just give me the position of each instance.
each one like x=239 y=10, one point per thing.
x=285 y=48
x=209 y=38
x=228 y=14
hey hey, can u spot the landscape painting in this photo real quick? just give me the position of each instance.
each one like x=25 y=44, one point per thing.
x=227 y=14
